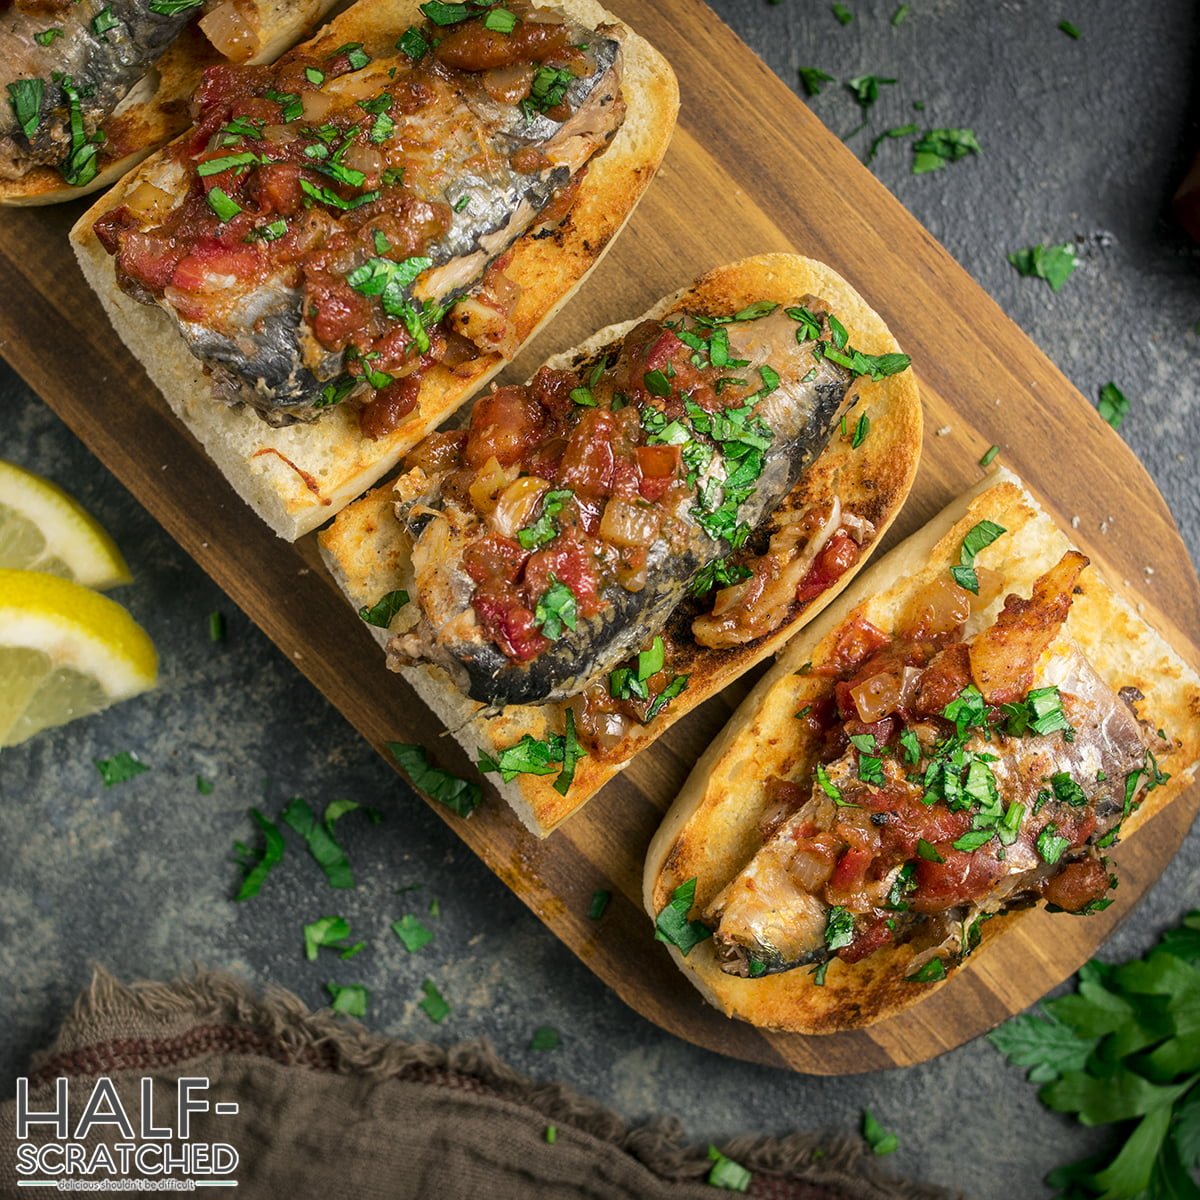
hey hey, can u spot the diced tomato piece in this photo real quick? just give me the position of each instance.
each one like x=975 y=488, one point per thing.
x=570 y=563
x=277 y=188
x=871 y=937
x=587 y=462
x=495 y=557
x=1077 y=885
x=210 y=257
x=661 y=351
x=910 y=820
x=505 y=425
x=390 y=406
x=149 y=258
x=855 y=641
x=509 y=624
x=946 y=676
x=837 y=556
x=658 y=465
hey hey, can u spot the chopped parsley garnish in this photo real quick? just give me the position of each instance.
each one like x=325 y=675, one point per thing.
x=1050 y=844
x=843 y=14
x=831 y=789
x=860 y=431
x=937 y=147
x=331 y=198
x=102 y=22
x=897 y=131
x=599 y=905
x=257 y=868
x=533 y=757
x=899 y=15
x=676 y=687
x=83 y=162
x=170 y=8
x=413 y=43
x=433 y=1003
x=216 y=626
x=931 y=972
x=879 y=1139
x=819 y=972
x=271 y=232
x=547 y=91
x=627 y=682
x=356 y=56
x=545 y=1037
x=911 y=747
x=449 y=14
x=227 y=162
x=839 y=927
x=222 y=204
x=1112 y=405
x=989 y=455
x=350 y=999
x=384 y=609
x=865 y=88
x=289 y=102
x=904 y=882
x=725 y=1174
x=544 y=529
x=556 y=610
x=551 y=1134
x=1072 y=31
x=336 y=809
x=814 y=79
x=322 y=845
x=672 y=924
x=460 y=796
x=967 y=710
x=500 y=20
x=972 y=840
x=314 y=76
x=120 y=768
x=325 y=931
x=928 y=851
x=1054 y=264
x=204 y=786
x=657 y=384
x=878 y=366
x=1067 y=790
x=979 y=536
x=719 y=573
x=46 y=36
x=412 y=932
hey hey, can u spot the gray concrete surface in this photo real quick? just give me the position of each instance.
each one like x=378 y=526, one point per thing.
x=1081 y=140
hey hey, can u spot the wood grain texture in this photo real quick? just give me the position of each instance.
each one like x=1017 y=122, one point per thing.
x=750 y=170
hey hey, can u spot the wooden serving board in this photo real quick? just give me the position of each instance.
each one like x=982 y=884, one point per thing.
x=750 y=170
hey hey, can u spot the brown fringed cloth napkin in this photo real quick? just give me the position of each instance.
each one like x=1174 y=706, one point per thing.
x=327 y=1110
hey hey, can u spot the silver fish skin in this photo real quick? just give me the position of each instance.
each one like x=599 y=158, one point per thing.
x=802 y=414
x=104 y=67
x=257 y=340
x=765 y=915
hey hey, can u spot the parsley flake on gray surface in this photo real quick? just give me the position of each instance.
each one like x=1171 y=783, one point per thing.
x=322 y=845
x=412 y=932
x=814 y=79
x=879 y=1139
x=433 y=1004
x=1055 y=264
x=349 y=999
x=726 y=1174
x=120 y=768
x=545 y=1037
x=843 y=14
x=937 y=147
x=325 y=931
x=258 y=868
x=1071 y=30
x=1112 y=405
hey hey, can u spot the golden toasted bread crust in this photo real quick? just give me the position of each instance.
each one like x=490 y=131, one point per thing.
x=297 y=477
x=711 y=830
x=367 y=554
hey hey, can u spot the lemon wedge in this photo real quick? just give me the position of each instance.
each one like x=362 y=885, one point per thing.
x=44 y=529
x=65 y=652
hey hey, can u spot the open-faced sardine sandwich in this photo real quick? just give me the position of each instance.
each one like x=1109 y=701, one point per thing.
x=962 y=737
x=351 y=241
x=93 y=86
x=593 y=553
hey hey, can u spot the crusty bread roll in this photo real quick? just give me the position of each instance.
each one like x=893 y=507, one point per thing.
x=368 y=555
x=712 y=829
x=299 y=476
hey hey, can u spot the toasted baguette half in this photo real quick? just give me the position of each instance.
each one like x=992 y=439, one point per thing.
x=156 y=109
x=711 y=830
x=368 y=555
x=299 y=476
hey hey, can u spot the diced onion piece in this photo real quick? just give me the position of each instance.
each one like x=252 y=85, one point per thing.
x=991 y=584
x=811 y=865
x=515 y=507
x=230 y=32
x=316 y=105
x=877 y=696
x=149 y=204
x=365 y=158
x=625 y=524
x=278 y=134
x=939 y=607
x=729 y=597
x=489 y=481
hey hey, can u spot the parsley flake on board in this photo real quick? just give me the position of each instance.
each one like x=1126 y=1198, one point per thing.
x=672 y=924
x=322 y=845
x=1112 y=405
x=460 y=796
x=814 y=79
x=258 y=868
x=937 y=147
x=599 y=905
x=1054 y=264
x=412 y=932
x=349 y=999
x=380 y=613
x=726 y=1174
x=879 y=1139
x=989 y=456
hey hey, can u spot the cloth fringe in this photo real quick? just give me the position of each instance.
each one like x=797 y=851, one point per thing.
x=344 y=1046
